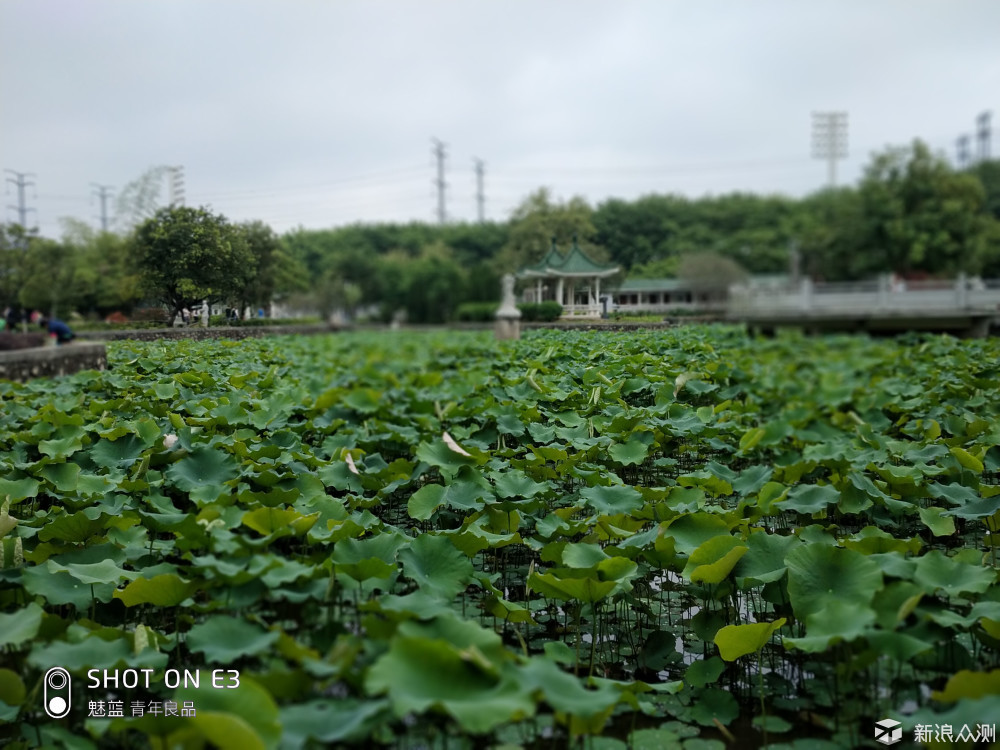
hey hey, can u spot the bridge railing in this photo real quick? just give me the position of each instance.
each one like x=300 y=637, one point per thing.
x=883 y=295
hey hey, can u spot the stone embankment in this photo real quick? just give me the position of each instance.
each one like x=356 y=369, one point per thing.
x=51 y=361
x=198 y=333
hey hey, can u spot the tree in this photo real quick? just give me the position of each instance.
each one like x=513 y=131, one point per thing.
x=538 y=221
x=15 y=245
x=188 y=254
x=920 y=215
x=708 y=271
x=276 y=274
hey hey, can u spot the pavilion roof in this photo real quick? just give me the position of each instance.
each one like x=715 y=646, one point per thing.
x=573 y=263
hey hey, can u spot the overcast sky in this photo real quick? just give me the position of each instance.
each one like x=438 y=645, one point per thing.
x=322 y=113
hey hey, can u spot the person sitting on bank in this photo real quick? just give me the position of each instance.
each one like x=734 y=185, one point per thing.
x=63 y=333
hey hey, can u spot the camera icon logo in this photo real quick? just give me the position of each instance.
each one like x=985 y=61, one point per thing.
x=57 y=692
x=888 y=731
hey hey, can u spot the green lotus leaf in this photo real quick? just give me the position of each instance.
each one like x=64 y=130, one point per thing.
x=64 y=477
x=837 y=621
x=516 y=484
x=425 y=501
x=167 y=590
x=819 y=574
x=704 y=672
x=225 y=639
x=764 y=561
x=268 y=520
x=810 y=498
x=714 y=559
x=586 y=590
x=898 y=646
x=936 y=571
x=419 y=673
x=327 y=721
x=20 y=626
x=509 y=424
x=629 y=454
x=694 y=529
x=735 y=641
x=967 y=460
x=612 y=500
x=582 y=555
x=86 y=651
x=120 y=453
x=232 y=716
x=714 y=705
x=564 y=692
x=981 y=507
x=88 y=573
x=956 y=494
x=12 y=690
x=935 y=520
x=18 y=489
x=969 y=684
x=752 y=479
x=436 y=566
x=438 y=454
x=204 y=473
x=872 y=540
x=76 y=528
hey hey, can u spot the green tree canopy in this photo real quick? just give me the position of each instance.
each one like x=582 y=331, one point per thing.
x=538 y=221
x=190 y=254
x=921 y=215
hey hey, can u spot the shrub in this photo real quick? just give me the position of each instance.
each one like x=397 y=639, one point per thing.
x=477 y=312
x=540 y=311
x=154 y=314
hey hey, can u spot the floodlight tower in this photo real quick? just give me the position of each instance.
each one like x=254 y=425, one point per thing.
x=829 y=140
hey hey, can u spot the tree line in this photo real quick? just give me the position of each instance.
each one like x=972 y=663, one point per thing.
x=911 y=213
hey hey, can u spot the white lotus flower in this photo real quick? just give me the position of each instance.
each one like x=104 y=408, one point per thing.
x=350 y=464
x=169 y=440
x=450 y=442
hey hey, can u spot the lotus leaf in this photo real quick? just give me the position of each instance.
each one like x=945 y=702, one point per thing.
x=819 y=574
x=224 y=639
x=735 y=641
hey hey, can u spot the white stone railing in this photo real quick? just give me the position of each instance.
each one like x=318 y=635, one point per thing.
x=869 y=297
x=581 y=311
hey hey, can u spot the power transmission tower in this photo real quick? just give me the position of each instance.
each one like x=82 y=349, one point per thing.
x=102 y=193
x=983 y=135
x=439 y=154
x=176 y=178
x=962 y=145
x=829 y=140
x=20 y=179
x=480 y=197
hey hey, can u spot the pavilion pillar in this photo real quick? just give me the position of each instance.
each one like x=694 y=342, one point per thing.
x=597 y=291
x=559 y=291
x=538 y=290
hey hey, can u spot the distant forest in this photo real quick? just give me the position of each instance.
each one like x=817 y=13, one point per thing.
x=911 y=213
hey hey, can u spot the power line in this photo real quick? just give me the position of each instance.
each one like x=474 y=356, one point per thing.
x=480 y=197
x=102 y=193
x=439 y=153
x=20 y=179
x=830 y=140
x=272 y=191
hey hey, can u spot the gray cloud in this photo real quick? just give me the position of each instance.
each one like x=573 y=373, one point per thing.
x=320 y=113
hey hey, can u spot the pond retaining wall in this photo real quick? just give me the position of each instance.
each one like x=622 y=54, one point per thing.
x=51 y=361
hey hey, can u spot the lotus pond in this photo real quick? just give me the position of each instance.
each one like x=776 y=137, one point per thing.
x=684 y=538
